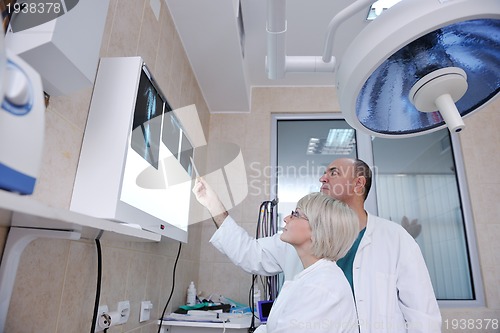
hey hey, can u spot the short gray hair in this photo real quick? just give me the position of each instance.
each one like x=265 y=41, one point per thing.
x=334 y=225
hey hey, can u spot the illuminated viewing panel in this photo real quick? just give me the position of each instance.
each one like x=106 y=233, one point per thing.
x=135 y=165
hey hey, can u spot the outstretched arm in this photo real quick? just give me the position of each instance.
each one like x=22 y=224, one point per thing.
x=265 y=256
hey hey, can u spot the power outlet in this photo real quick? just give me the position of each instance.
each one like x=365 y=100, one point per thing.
x=146 y=307
x=101 y=310
x=123 y=309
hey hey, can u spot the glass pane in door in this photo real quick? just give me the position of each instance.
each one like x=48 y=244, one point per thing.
x=417 y=187
x=304 y=149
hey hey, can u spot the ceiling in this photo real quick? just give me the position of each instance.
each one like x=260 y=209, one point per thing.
x=228 y=62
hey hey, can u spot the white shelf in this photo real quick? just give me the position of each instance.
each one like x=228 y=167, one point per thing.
x=24 y=211
x=31 y=219
x=235 y=322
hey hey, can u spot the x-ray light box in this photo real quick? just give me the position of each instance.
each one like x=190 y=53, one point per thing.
x=135 y=164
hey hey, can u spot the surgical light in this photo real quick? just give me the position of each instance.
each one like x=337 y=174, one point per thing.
x=422 y=65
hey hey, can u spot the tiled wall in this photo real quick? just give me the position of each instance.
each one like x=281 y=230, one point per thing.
x=56 y=281
x=480 y=143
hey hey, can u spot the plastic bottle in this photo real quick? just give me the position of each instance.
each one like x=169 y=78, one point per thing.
x=256 y=299
x=191 y=294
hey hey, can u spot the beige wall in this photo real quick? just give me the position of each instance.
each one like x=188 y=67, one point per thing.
x=480 y=142
x=56 y=280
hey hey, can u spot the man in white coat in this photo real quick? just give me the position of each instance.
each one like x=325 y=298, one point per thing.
x=385 y=267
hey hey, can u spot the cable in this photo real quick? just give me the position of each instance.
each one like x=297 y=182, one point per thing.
x=98 y=288
x=266 y=227
x=172 y=290
x=252 y=305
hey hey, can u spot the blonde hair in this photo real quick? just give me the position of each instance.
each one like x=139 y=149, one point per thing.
x=334 y=225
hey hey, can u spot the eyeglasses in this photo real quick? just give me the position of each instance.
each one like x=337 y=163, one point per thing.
x=296 y=214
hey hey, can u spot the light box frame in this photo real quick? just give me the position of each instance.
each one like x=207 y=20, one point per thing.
x=104 y=166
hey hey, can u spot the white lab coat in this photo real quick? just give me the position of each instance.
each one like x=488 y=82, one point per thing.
x=318 y=300
x=392 y=287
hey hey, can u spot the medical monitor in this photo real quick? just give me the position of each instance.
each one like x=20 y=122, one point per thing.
x=135 y=163
x=264 y=310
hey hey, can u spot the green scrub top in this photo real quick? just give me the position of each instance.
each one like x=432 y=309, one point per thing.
x=347 y=261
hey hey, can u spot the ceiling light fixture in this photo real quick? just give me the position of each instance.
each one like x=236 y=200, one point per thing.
x=342 y=137
x=421 y=66
x=340 y=141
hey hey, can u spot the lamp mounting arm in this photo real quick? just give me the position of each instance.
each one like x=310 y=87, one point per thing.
x=337 y=20
x=278 y=63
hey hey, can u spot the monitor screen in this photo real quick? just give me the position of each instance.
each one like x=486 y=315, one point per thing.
x=186 y=155
x=130 y=168
x=155 y=169
x=264 y=310
x=146 y=126
x=171 y=133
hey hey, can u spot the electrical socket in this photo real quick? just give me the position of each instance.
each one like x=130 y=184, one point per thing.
x=101 y=310
x=104 y=316
x=146 y=307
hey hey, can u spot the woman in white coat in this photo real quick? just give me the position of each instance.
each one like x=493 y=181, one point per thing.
x=318 y=299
